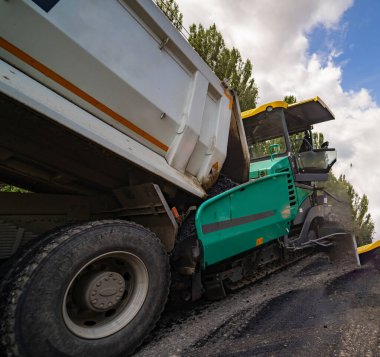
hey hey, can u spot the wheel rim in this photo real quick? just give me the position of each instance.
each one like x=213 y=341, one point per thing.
x=105 y=295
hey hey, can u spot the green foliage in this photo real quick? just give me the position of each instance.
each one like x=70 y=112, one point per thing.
x=353 y=210
x=10 y=188
x=226 y=63
x=364 y=225
x=290 y=99
x=262 y=149
x=318 y=140
x=296 y=141
x=171 y=9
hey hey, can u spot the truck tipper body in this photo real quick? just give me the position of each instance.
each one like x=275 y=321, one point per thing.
x=163 y=97
x=138 y=178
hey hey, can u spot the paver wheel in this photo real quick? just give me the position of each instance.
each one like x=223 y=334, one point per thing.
x=96 y=289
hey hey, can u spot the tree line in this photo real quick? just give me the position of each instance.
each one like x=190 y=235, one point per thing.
x=351 y=208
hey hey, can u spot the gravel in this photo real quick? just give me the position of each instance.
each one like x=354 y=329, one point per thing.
x=314 y=307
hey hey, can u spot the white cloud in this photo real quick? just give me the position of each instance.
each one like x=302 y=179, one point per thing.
x=274 y=35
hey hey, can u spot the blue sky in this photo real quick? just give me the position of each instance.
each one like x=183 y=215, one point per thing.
x=357 y=38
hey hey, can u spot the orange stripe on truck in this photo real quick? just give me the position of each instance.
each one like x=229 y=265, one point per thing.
x=229 y=96
x=78 y=92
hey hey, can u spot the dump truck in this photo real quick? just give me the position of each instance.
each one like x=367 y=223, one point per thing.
x=138 y=177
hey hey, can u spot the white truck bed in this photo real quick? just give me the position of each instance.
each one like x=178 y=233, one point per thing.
x=43 y=100
x=120 y=74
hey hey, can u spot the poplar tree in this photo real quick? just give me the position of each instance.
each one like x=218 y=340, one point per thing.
x=352 y=209
x=226 y=63
x=171 y=9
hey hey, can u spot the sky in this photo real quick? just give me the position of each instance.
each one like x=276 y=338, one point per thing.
x=308 y=48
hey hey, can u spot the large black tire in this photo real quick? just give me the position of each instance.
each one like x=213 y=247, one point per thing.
x=42 y=300
x=23 y=255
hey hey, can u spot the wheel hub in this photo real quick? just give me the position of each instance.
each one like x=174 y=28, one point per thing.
x=105 y=295
x=101 y=291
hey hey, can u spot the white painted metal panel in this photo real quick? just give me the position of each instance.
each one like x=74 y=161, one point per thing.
x=210 y=149
x=43 y=100
x=107 y=57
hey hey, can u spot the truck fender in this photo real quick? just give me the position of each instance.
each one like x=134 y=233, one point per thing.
x=313 y=213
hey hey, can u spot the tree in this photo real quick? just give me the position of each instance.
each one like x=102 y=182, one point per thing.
x=10 y=188
x=352 y=209
x=171 y=9
x=364 y=225
x=290 y=99
x=226 y=63
x=318 y=140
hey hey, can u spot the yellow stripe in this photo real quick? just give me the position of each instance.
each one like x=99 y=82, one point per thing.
x=368 y=247
x=315 y=99
x=251 y=112
x=77 y=91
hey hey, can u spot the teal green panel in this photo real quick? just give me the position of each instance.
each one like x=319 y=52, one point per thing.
x=267 y=167
x=273 y=166
x=231 y=222
x=302 y=194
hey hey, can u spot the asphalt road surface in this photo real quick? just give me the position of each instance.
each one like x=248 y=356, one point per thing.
x=313 y=308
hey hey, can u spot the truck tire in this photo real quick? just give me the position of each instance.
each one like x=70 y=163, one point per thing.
x=23 y=254
x=96 y=289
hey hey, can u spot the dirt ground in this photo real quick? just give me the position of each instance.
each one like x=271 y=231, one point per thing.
x=313 y=308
